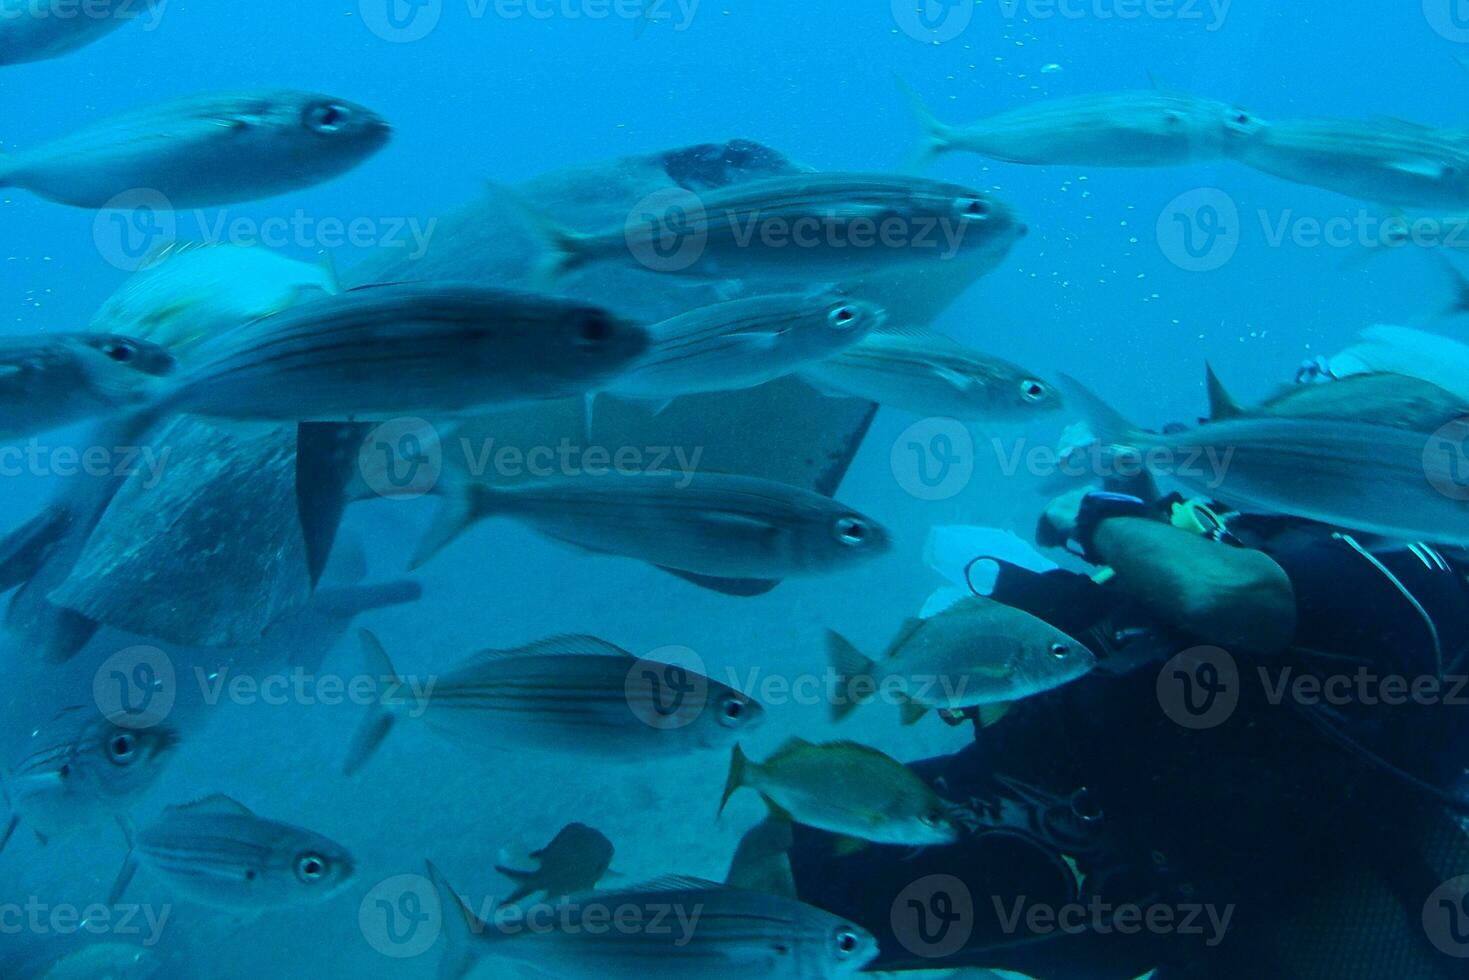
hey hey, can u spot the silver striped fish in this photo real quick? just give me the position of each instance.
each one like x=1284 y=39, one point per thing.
x=202 y=151
x=217 y=852
x=824 y=227
x=745 y=343
x=674 y=928
x=930 y=374
x=48 y=381
x=82 y=770
x=404 y=348
x=574 y=695
x=710 y=524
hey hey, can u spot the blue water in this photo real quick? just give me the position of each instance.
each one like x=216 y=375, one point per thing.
x=493 y=98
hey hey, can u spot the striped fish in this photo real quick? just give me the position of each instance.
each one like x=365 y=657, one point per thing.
x=574 y=695
x=710 y=524
x=745 y=343
x=812 y=227
x=81 y=770
x=674 y=928
x=217 y=852
x=399 y=349
x=48 y=381
x=929 y=374
x=1383 y=161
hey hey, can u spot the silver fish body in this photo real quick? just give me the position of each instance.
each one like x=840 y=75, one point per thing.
x=202 y=151
x=439 y=349
x=32 y=31
x=48 y=381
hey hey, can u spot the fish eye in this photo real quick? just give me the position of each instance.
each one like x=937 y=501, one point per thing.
x=1032 y=391
x=593 y=330
x=732 y=709
x=974 y=209
x=327 y=118
x=1060 y=651
x=934 y=818
x=120 y=351
x=1243 y=119
x=842 y=317
x=847 y=942
x=852 y=531
x=122 y=749
x=311 y=868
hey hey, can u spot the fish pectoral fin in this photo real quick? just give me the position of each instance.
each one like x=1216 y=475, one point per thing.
x=727 y=519
x=996 y=673
x=911 y=711
x=847 y=846
x=217 y=803
x=953 y=379
x=1431 y=169
x=755 y=341
x=777 y=812
x=990 y=714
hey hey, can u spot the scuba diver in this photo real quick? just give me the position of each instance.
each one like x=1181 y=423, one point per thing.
x=1258 y=780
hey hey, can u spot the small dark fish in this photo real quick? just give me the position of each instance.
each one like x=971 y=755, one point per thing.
x=574 y=861
x=48 y=381
x=203 y=151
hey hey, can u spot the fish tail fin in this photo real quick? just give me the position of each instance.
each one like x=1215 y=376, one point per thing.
x=738 y=764
x=460 y=926
x=521 y=879
x=938 y=136
x=463 y=506
x=1107 y=425
x=13 y=823
x=850 y=665
x=380 y=716
x=129 y=863
x=563 y=249
x=911 y=711
x=1221 y=404
x=1460 y=303
x=348 y=602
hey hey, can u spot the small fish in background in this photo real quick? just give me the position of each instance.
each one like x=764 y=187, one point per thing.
x=977 y=653
x=713 y=932
x=49 y=381
x=1119 y=129
x=104 y=961
x=31 y=31
x=576 y=859
x=847 y=789
x=709 y=524
x=215 y=851
x=82 y=770
x=569 y=695
x=793 y=229
x=762 y=862
x=926 y=373
x=745 y=343
x=202 y=151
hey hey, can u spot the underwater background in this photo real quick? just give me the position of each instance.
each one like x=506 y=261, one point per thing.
x=1096 y=290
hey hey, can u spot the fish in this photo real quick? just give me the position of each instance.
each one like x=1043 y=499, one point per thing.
x=929 y=374
x=762 y=862
x=1117 y=129
x=217 y=852
x=1376 y=479
x=847 y=789
x=977 y=653
x=1382 y=161
x=32 y=31
x=704 y=931
x=189 y=292
x=575 y=860
x=105 y=961
x=709 y=524
x=202 y=151
x=1387 y=349
x=813 y=227
x=50 y=381
x=1394 y=400
x=82 y=769
x=745 y=343
x=399 y=349
x=568 y=695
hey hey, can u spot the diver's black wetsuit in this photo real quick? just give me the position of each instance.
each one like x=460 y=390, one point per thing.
x=1322 y=857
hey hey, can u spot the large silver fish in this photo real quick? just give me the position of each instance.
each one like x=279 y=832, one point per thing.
x=930 y=374
x=1383 y=161
x=1395 y=400
x=81 y=771
x=37 y=31
x=825 y=227
x=710 y=524
x=1121 y=129
x=575 y=695
x=202 y=151
x=48 y=381
x=678 y=928
x=217 y=852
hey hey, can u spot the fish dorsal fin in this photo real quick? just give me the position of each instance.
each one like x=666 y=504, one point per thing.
x=328 y=263
x=1221 y=405
x=905 y=633
x=793 y=744
x=66 y=712
x=567 y=645
x=677 y=883
x=219 y=803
